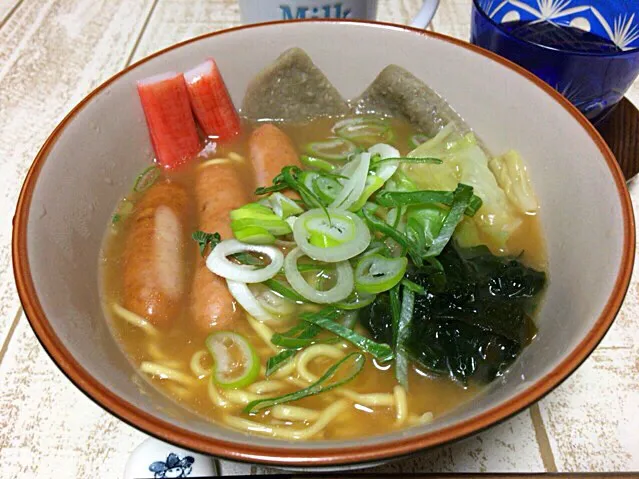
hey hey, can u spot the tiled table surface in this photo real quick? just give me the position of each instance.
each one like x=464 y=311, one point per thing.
x=52 y=53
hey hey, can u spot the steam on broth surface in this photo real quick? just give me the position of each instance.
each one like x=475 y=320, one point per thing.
x=316 y=272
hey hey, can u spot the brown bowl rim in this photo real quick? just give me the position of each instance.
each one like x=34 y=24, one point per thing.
x=276 y=455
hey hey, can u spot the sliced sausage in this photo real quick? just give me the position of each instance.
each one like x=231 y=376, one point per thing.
x=271 y=150
x=218 y=190
x=153 y=267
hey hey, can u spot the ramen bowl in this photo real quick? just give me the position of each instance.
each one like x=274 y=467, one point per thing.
x=88 y=161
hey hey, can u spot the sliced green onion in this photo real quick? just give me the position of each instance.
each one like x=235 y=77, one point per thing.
x=461 y=201
x=336 y=149
x=406 y=159
x=249 y=259
x=325 y=186
x=355 y=301
x=414 y=287
x=252 y=211
x=275 y=187
x=363 y=130
x=289 y=178
x=345 y=232
x=225 y=346
x=218 y=263
x=402 y=240
x=146 y=179
x=298 y=337
x=415 y=231
x=301 y=336
x=373 y=184
x=291 y=175
x=254 y=223
x=341 y=290
x=279 y=360
x=273 y=302
x=291 y=343
x=276 y=226
x=284 y=290
x=283 y=206
x=375 y=273
x=307 y=331
x=395 y=218
x=253 y=235
x=325 y=383
x=377 y=246
x=276 y=362
x=317 y=163
x=403 y=330
x=356 y=173
x=249 y=302
x=382 y=352
x=391 y=199
x=379 y=166
x=396 y=309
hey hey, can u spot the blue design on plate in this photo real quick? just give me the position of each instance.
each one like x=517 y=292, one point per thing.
x=174 y=466
x=588 y=50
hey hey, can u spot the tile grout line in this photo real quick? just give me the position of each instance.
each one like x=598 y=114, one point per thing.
x=541 y=434
x=12 y=329
x=10 y=13
x=144 y=25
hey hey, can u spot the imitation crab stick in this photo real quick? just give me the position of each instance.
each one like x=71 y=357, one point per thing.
x=165 y=101
x=211 y=102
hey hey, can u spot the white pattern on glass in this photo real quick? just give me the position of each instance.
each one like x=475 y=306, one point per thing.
x=581 y=23
x=573 y=92
x=623 y=33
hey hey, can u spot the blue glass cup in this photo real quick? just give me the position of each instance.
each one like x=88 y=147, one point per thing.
x=588 y=50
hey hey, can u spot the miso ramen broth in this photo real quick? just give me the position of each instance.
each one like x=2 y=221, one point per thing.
x=174 y=357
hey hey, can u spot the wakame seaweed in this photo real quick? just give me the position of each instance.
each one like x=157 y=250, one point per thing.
x=474 y=317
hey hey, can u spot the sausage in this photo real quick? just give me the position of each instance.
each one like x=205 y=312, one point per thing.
x=271 y=150
x=218 y=190
x=153 y=261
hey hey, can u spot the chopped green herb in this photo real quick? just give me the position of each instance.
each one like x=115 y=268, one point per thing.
x=204 y=239
x=124 y=209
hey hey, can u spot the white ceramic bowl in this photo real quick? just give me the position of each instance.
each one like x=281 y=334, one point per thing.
x=89 y=160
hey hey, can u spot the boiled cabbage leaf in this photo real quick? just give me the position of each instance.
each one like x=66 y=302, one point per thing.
x=464 y=161
x=512 y=176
